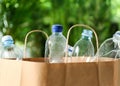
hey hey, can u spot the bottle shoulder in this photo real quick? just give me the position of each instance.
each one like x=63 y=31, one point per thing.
x=82 y=41
x=107 y=43
x=11 y=48
x=109 y=40
x=56 y=38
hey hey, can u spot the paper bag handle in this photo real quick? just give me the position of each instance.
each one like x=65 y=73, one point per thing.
x=26 y=37
x=80 y=25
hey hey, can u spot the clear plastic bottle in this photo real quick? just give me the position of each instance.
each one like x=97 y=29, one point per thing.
x=9 y=49
x=55 y=45
x=110 y=47
x=84 y=46
x=70 y=50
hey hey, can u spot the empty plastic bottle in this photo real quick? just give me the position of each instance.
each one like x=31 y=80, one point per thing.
x=70 y=50
x=55 y=45
x=110 y=47
x=9 y=49
x=84 y=46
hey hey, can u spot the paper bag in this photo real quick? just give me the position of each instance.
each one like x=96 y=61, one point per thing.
x=43 y=74
x=109 y=73
x=81 y=74
x=10 y=72
x=35 y=72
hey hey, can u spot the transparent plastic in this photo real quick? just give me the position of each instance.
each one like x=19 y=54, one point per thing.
x=70 y=50
x=11 y=52
x=9 y=49
x=110 y=47
x=84 y=46
x=55 y=46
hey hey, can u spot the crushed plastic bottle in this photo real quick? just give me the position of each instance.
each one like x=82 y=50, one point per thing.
x=110 y=47
x=9 y=49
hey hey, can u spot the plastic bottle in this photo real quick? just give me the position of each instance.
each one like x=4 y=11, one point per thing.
x=84 y=46
x=9 y=49
x=55 y=45
x=110 y=47
x=70 y=50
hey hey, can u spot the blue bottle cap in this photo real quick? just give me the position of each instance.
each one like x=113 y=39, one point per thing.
x=57 y=28
x=7 y=40
x=87 y=33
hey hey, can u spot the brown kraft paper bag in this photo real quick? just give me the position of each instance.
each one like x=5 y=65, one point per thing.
x=35 y=72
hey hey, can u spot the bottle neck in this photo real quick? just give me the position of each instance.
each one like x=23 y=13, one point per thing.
x=8 y=44
x=9 y=48
x=86 y=37
x=57 y=33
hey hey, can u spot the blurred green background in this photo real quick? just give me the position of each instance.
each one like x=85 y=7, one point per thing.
x=18 y=17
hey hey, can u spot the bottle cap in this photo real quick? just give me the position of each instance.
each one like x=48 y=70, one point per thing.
x=7 y=40
x=87 y=33
x=57 y=28
x=116 y=36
